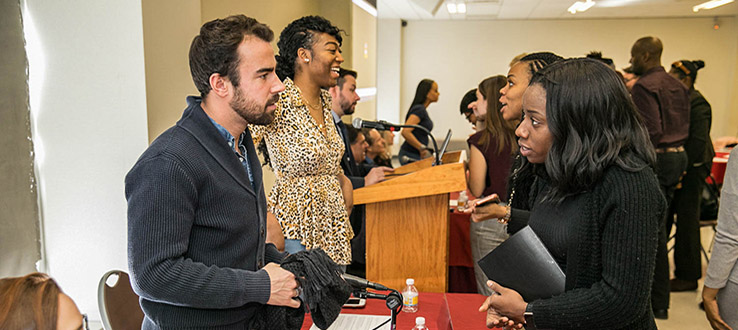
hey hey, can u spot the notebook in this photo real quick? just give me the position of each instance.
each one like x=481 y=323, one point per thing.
x=524 y=264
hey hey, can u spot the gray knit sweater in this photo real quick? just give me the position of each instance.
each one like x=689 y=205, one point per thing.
x=723 y=265
x=196 y=229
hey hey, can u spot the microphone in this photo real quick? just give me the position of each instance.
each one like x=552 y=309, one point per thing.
x=371 y=295
x=362 y=283
x=380 y=125
x=405 y=159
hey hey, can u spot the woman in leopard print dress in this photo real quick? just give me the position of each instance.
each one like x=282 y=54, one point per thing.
x=311 y=197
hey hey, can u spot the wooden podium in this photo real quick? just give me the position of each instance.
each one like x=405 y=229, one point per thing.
x=407 y=219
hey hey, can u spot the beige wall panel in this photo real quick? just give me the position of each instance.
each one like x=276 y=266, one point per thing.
x=169 y=26
x=339 y=13
x=364 y=27
x=366 y=109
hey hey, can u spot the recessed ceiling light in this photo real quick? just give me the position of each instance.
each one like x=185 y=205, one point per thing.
x=710 y=4
x=451 y=7
x=580 y=6
x=461 y=8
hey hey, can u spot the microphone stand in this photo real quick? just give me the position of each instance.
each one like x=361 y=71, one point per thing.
x=393 y=300
x=435 y=145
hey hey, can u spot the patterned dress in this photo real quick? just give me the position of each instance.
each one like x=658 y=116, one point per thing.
x=306 y=198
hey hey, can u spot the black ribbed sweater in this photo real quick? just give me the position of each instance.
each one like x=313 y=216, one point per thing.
x=196 y=229
x=610 y=257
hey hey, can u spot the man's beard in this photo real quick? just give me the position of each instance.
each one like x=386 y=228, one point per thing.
x=347 y=107
x=252 y=112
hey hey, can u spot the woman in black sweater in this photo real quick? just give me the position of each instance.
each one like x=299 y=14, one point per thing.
x=595 y=201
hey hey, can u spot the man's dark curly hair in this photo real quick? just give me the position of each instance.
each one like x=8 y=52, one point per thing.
x=215 y=49
x=301 y=33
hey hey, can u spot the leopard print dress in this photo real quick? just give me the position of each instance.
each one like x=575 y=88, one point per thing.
x=306 y=197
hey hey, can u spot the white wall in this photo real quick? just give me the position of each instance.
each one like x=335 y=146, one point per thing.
x=459 y=54
x=89 y=128
x=389 y=68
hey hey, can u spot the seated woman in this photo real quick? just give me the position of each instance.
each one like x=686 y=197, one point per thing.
x=595 y=201
x=35 y=301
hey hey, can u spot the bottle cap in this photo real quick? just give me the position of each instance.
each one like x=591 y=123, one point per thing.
x=419 y=320
x=410 y=281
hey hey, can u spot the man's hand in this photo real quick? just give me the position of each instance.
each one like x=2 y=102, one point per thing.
x=283 y=286
x=376 y=175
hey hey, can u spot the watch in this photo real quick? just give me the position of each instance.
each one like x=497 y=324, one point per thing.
x=528 y=315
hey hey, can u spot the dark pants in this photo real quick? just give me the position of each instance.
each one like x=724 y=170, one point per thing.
x=669 y=168
x=358 y=243
x=686 y=207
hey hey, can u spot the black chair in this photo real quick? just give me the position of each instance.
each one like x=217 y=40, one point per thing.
x=709 y=206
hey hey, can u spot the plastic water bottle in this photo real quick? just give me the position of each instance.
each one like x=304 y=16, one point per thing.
x=410 y=297
x=461 y=202
x=420 y=323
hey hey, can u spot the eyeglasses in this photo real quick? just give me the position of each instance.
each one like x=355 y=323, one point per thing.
x=85 y=323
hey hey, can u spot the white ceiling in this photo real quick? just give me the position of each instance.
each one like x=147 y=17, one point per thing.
x=546 y=9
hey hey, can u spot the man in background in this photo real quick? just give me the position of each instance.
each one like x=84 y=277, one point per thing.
x=377 y=151
x=344 y=103
x=465 y=107
x=663 y=103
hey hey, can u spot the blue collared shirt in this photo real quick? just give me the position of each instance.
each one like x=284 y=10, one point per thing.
x=243 y=156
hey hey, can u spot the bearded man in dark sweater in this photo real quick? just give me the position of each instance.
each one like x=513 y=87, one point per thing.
x=197 y=248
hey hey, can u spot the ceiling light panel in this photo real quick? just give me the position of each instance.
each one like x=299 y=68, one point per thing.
x=482 y=8
x=710 y=5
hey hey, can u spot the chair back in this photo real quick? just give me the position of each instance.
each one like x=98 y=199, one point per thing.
x=118 y=304
x=710 y=202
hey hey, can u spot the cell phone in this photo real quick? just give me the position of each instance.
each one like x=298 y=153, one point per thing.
x=486 y=200
x=355 y=303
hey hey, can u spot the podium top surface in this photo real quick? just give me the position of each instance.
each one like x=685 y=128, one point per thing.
x=416 y=180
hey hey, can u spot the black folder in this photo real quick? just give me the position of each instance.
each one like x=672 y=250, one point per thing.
x=524 y=264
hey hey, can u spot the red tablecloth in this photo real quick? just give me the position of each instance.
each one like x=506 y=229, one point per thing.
x=459 y=249
x=442 y=311
x=464 y=311
x=460 y=264
x=460 y=261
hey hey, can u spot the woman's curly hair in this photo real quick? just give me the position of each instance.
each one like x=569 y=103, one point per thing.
x=301 y=34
